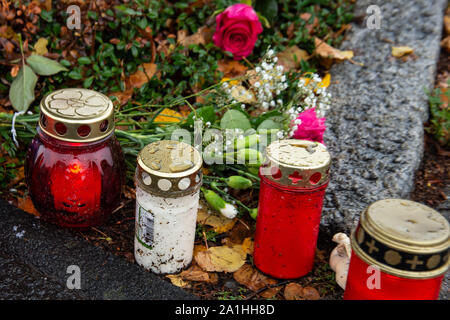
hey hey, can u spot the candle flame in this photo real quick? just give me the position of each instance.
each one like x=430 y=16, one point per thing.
x=75 y=168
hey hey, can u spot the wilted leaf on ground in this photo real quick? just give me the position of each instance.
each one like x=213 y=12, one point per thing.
x=293 y=291
x=231 y=68
x=447 y=24
x=445 y=43
x=241 y=94
x=309 y=26
x=40 y=47
x=21 y=92
x=399 y=52
x=168 y=115
x=253 y=279
x=328 y=54
x=324 y=50
x=291 y=57
x=245 y=248
x=310 y=293
x=123 y=96
x=178 y=281
x=221 y=259
x=143 y=75
x=202 y=36
x=194 y=273
x=219 y=223
x=26 y=205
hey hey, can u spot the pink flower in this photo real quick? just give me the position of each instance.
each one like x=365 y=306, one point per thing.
x=237 y=30
x=311 y=128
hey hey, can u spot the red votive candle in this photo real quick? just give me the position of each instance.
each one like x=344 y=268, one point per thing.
x=74 y=166
x=399 y=252
x=293 y=183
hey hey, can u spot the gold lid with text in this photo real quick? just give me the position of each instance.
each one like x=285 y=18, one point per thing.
x=403 y=238
x=77 y=115
x=169 y=168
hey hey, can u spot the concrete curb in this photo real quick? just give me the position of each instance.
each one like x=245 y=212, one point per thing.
x=47 y=251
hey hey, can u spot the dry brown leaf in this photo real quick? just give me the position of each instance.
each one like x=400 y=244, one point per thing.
x=445 y=43
x=252 y=278
x=143 y=75
x=15 y=70
x=309 y=26
x=123 y=97
x=178 y=281
x=241 y=94
x=291 y=57
x=447 y=24
x=293 y=291
x=27 y=205
x=219 y=223
x=202 y=36
x=221 y=259
x=231 y=68
x=199 y=248
x=194 y=273
x=401 y=51
x=310 y=293
x=40 y=47
x=324 y=50
x=328 y=55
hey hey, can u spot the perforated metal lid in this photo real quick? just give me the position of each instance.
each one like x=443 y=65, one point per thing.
x=405 y=238
x=297 y=163
x=77 y=115
x=169 y=168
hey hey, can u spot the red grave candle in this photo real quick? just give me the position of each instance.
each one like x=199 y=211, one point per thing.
x=74 y=166
x=293 y=183
x=399 y=252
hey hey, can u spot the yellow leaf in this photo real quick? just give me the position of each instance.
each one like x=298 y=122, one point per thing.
x=232 y=82
x=325 y=81
x=41 y=46
x=178 y=281
x=221 y=259
x=219 y=223
x=168 y=115
x=399 y=52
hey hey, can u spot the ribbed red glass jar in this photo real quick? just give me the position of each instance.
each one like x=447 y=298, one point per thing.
x=292 y=189
x=74 y=165
x=399 y=252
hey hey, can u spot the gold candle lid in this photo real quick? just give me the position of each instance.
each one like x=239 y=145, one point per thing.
x=77 y=115
x=403 y=238
x=169 y=168
x=297 y=163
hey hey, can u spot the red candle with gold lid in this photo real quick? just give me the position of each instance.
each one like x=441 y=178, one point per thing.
x=293 y=183
x=399 y=252
x=74 y=166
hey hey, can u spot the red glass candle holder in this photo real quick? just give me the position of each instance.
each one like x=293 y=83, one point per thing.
x=74 y=166
x=293 y=183
x=399 y=252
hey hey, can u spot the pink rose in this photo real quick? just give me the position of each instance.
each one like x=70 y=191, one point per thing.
x=237 y=30
x=311 y=128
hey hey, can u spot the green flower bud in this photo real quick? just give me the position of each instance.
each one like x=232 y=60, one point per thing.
x=253 y=170
x=254 y=213
x=249 y=155
x=214 y=200
x=238 y=182
x=246 y=142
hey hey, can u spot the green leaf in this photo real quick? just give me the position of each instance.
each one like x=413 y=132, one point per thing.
x=267 y=8
x=270 y=123
x=21 y=92
x=234 y=119
x=84 y=60
x=247 y=2
x=88 y=82
x=207 y=114
x=44 y=66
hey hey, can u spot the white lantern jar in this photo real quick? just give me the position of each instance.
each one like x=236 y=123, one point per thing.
x=168 y=179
